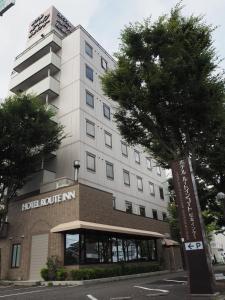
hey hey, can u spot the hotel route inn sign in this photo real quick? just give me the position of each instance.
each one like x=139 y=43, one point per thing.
x=5 y=5
x=49 y=200
x=201 y=279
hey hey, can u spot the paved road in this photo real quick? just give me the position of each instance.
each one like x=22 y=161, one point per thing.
x=169 y=287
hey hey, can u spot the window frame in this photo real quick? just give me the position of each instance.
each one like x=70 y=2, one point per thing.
x=87 y=45
x=154 y=211
x=86 y=73
x=137 y=155
x=107 y=163
x=164 y=216
x=139 y=179
x=124 y=144
x=93 y=156
x=142 y=207
x=148 y=159
x=151 y=184
x=16 y=264
x=106 y=64
x=158 y=170
x=87 y=133
x=106 y=133
x=105 y=115
x=161 y=193
x=128 y=173
x=90 y=94
x=127 y=203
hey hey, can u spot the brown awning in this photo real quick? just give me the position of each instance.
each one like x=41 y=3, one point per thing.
x=103 y=227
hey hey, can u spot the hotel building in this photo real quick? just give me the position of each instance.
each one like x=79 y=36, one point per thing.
x=116 y=209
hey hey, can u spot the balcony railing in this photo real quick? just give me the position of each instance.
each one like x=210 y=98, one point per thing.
x=49 y=86
x=36 y=180
x=37 y=50
x=46 y=66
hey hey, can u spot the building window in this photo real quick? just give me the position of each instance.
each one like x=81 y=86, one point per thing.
x=128 y=205
x=88 y=49
x=106 y=111
x=142 y=211
x=152 y=188
x=114 y=202
x=91 y=162
x=109 y=170
x=137 y=156
x=158 y=170
x=99 y=247
x=71 y=254
x=89 y=99
x=161 y=193
x=149 y=163
x=164 y=216
x=124 y=149
x=155 y=214
x=108 y=139
x=104 y=64
x=16 y=253
x=126 y=177
x=90 y=128
x=139 y=183
x=89 y=73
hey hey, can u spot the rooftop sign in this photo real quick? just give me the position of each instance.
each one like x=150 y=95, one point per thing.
x=53 y=18
x=5 y=5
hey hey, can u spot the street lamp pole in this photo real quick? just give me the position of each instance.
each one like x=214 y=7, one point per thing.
x=76 y=165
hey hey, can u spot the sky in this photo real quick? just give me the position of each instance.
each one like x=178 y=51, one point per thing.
x=103 y=19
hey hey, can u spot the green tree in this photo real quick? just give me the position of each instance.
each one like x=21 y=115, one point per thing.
x=167 y=84
x=171 y=96
x=27 y=135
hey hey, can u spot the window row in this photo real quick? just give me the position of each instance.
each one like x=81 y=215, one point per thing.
x=90 y=131
x=90 y=102
x=142 y=212
x=89 y=52
x=91 y=166
x=97 y=247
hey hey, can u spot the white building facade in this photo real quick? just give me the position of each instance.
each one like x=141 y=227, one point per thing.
x=63 y=64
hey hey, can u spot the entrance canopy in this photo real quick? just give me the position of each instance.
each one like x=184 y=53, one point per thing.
x=103 y=227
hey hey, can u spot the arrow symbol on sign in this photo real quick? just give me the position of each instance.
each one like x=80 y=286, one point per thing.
x=190 y=246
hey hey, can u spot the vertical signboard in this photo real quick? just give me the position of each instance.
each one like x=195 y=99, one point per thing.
x=201 y=279
x=5 y=5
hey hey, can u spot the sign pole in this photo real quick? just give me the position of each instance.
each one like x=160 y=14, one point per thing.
x=200 y=273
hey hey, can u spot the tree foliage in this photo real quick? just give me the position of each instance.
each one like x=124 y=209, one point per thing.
x=171 y=97
x=168 y=86
x=27 y=135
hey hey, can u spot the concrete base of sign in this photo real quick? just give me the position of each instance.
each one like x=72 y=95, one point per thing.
x=215 y=296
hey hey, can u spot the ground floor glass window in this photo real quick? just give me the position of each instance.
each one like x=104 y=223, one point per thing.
x=89 y=247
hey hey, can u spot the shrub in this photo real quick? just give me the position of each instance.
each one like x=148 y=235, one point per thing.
x=53 y=265
x=61 y=274
x=85 y=274
x=44 y=274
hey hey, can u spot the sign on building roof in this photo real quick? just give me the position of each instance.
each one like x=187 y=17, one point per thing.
x=5 y=5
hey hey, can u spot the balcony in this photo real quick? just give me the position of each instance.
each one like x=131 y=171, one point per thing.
x=46 y=87
x=34 y=182
x=38 y=50
x=46 y=66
